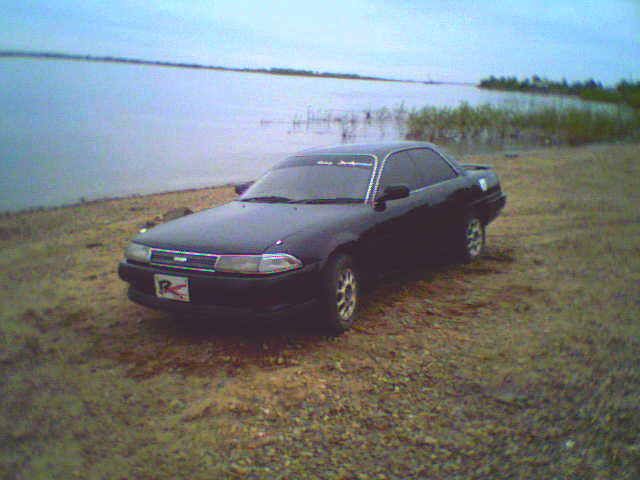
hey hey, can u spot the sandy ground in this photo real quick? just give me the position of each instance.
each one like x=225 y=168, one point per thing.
x=522 y=365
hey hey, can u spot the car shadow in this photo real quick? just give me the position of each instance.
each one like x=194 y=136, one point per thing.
x=201 y=329
x=155 y=342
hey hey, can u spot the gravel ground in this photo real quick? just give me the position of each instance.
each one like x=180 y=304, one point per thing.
x=522 y=365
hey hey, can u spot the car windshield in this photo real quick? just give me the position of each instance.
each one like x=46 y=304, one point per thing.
x=314 y=179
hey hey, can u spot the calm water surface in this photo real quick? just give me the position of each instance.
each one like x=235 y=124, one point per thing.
x=72 y=130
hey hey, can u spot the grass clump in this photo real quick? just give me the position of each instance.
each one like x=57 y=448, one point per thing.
x=537 y=124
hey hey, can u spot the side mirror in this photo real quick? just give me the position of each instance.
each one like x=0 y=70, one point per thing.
x=393 y=192
x=242 y=187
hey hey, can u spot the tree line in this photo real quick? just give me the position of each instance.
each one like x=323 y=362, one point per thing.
x=625 y=92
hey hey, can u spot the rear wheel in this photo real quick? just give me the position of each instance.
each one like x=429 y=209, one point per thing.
x=473 y=239
x=341 y=293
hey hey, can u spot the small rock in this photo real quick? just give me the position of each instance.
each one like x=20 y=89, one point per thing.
x=428 y=440
x=176 y=213
x=149 y=224
x=94 y=245
x=510 y=398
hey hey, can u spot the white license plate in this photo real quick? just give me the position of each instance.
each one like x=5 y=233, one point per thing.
x=171 y=287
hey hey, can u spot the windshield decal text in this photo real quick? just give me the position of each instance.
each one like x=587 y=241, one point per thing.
x=342 y=163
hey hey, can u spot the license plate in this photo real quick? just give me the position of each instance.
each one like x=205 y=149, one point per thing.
x=171 y=287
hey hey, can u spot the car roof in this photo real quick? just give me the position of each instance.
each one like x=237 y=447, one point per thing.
x=380 y=150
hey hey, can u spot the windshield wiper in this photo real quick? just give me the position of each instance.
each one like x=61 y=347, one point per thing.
x=330 y=200
x=268 y=199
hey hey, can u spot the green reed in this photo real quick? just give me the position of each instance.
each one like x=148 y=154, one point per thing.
x=537 y=123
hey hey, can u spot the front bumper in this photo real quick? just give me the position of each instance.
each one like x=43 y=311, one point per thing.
x=223 y=296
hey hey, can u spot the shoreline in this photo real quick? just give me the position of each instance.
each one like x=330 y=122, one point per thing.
x=100 y=200
x=521 y=149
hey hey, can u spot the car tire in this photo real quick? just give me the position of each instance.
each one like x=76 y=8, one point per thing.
x=341 y=293
x=473 y=239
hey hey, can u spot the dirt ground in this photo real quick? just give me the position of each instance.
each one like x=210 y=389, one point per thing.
x=522 y=365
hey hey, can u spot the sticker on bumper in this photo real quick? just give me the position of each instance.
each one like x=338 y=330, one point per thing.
x=172 y=287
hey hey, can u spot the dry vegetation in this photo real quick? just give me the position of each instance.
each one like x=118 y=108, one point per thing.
x=522 y=365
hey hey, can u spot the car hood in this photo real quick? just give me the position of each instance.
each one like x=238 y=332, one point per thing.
x=244 y=228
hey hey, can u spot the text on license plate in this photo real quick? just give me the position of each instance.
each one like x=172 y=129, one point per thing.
x=172 y=287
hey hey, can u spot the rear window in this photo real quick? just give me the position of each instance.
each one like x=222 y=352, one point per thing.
x=433 y=168
x=400 y=169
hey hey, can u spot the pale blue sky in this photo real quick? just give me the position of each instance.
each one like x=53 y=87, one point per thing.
x=458 y=40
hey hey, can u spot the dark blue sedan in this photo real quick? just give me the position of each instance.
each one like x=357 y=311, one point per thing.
x=303 y=236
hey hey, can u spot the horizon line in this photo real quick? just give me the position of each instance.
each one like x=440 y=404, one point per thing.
x=162 y=63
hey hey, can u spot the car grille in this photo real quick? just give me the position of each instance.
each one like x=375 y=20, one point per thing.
x=183 y=260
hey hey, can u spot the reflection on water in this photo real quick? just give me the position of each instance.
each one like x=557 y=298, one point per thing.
x=71 y=130
x=350 y=126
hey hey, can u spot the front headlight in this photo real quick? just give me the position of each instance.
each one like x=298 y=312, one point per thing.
x=278 y=262
x=268 y=263
x=238 y=263
x=137 y=252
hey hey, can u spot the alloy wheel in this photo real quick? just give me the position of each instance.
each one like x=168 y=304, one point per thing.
x=474 y=238
x=346 y=294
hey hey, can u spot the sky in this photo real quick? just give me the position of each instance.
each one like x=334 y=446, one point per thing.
x=457 y=40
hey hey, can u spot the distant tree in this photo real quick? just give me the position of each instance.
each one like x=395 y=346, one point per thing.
x=625 y=91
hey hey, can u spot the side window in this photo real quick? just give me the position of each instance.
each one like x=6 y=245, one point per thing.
x=400 y=169
x=432 y=166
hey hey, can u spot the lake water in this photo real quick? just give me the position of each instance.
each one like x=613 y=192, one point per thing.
x=72 y=130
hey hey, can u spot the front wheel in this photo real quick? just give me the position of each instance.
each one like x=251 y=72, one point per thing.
x=472 y=243
x=341 y=293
